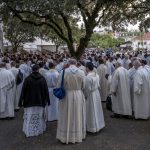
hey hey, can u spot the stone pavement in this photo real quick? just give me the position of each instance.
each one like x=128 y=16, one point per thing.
x=119 y=134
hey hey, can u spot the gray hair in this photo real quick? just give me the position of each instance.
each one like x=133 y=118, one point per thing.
x=72 y=61
x=137 y=63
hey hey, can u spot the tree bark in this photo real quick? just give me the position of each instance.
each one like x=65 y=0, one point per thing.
x=57 y=46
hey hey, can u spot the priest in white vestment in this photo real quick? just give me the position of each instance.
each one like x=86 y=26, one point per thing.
x=110 y=66
x=126 y=62
x=102 y=70
x=26 y=70
x=52 y=78
x=132 y=72
x=7 y=82
x=42 y=70
x=141 y=92
x=15 y=71
x=94 y=112
x=71 y=118
x=120 y=89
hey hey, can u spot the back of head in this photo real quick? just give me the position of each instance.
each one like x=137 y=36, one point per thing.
x=35 y=68
x=51 y=65
x=72 y=62
x=136 y=64
x=144 y=62
x=13 y=64
x=90 y=66
x=101 y=61
x=118 y=64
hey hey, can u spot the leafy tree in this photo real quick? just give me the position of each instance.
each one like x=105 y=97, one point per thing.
x=18 y=33
x=62 y=16
x=104 y=41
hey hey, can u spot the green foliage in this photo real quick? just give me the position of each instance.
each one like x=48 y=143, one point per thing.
x=18 y=33
x=62 y=16
x=104 y=41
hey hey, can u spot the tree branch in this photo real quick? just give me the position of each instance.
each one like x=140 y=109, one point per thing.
x=67 y=25
x=16 y=14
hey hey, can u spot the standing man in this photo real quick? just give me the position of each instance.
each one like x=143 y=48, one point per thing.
x=7 y=82
x=102 y=71
x=15 y=71
x=51 y=78
x=34 y=98
x=71 y=118
x=94 y=112
x=120 y=88
x=141 y=92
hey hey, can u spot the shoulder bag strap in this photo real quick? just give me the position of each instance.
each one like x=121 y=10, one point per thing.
x=62 y=80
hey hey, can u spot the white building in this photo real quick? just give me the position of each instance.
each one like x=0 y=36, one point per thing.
x=141 y=42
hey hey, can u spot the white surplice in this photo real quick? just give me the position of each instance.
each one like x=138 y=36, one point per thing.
x=71 y=118
x=141 y=94
x=25 y=69
x=110 y=67
x=94 y=112
x=15 y=71
x=121 y=103
x=51 y=78
x=102 y=71
x=132 y=72
x=7 y=82
x=43 y=72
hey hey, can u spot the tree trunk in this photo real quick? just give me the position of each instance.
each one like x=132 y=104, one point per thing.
x=14 y=48
x=83 y=44
x=57 y=46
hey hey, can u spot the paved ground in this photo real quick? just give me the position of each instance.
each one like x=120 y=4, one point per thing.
x=119 y=134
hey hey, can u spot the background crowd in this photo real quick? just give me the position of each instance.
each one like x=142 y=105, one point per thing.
x=28 y=80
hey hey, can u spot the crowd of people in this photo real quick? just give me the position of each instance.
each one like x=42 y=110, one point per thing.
x=28 y=79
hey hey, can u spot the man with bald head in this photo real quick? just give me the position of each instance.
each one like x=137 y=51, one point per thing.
x=120 y=89
x=141 y=92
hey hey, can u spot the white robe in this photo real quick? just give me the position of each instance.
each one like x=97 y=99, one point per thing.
x=132 y=72
x=94 y=112
x=71 y=119
x=121 y=103
x=43 y=72
x=7 y=82
x=15 y=94
x=141 y=94
x=83 y=68
x=26 y=70
x=51 y=78
x=102 y=71
x=110 y=67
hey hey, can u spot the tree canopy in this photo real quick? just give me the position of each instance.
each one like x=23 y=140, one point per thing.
x=104 y=41
x=18 y=33
x=63 y=16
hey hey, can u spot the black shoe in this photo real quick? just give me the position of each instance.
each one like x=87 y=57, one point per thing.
x=115 y=116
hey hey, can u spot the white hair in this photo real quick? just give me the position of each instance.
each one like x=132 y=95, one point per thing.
x=72 y=61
